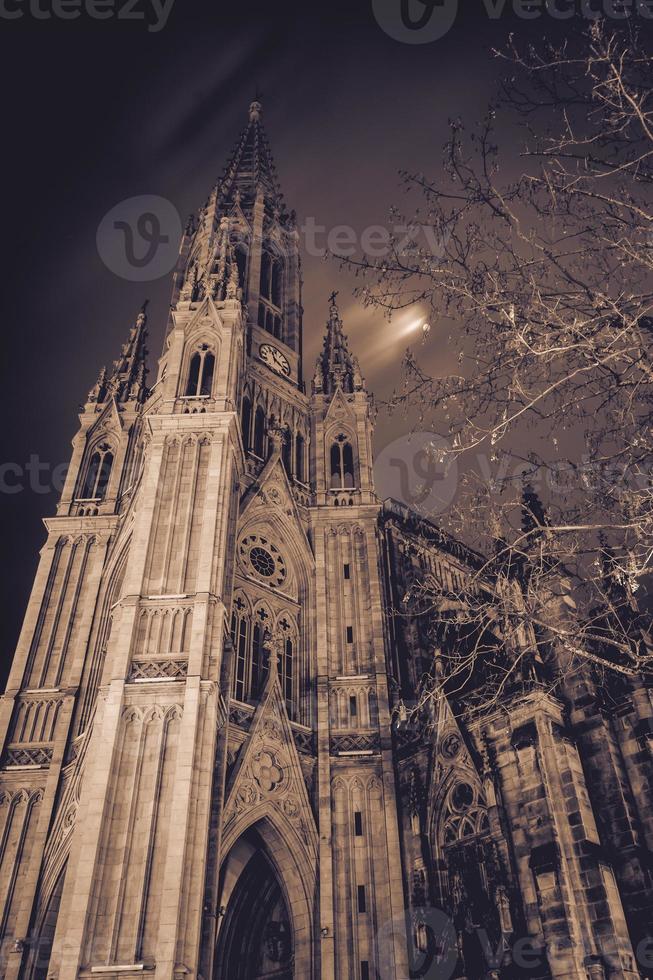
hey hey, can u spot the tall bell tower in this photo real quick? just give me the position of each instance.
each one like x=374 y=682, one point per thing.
x=196 y=778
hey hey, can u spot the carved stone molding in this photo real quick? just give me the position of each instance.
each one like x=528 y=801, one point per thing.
x=304 y=741
x=149 y=670
x=354 y=743
x=35 y=756
x=240 y=717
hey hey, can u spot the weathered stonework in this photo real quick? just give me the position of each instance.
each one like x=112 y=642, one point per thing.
x=205 y=772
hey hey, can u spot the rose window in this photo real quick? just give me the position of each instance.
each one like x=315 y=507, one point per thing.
x=262 y=559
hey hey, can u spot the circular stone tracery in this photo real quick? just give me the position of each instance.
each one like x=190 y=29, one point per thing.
x=262 y=561
x=262 y=558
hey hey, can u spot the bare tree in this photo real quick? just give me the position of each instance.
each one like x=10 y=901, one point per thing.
x=545 y=276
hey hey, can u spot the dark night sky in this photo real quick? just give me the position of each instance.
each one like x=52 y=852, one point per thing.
x=99 y=111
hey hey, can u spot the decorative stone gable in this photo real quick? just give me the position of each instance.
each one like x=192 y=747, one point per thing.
x=268 y=780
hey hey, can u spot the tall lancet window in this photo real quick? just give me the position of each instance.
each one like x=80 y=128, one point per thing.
x=286 y=453
x=342 y=463
x=299 y=458
x=97 y=475
x=250 y=636
x=200 y=373
x=259 y=662
x=239 y=640
x=271 y=295
x=241 y=263
x=259 y=433
x=246 y=421
x=287 y=677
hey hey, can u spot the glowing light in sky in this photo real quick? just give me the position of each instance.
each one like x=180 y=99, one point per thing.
x=411 y=324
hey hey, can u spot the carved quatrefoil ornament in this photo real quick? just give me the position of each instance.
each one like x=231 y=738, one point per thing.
x=266 y=771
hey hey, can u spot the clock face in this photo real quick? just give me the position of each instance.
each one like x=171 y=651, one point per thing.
x=274 y=359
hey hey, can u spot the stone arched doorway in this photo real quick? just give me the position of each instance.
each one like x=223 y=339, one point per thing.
x=256 y=938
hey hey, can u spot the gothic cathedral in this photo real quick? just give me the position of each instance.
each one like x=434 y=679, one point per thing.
x=204 y=772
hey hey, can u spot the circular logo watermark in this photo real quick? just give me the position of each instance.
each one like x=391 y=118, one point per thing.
x=415 y=21
x=138 y=239
x=416 y=470
x=430 y=938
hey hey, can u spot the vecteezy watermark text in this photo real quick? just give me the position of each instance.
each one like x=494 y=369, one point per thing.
x=154 y=13
x=35 y=475
x=138 y=239
x=424 y=21
x=374 y=241
x=421 y=470
x=430 y=937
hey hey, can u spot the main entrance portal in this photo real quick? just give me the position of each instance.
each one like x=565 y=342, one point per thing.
x=255 y=941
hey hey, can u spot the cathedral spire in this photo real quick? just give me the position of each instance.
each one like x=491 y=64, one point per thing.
x=336 y=367
x=126 y=381
x=251 y=167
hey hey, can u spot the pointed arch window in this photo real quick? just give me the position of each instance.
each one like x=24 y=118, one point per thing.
x=250 y=638
x=287 y=677
x=241 y=263
x=239 y=636
x=275 y=285
x=342 y=463
x=471 y=885
x=271 y=295
x=286 y=453
x=200 y=373
x=266 y=275
x=97 y=475
x=246 y=421
x=259 y=666
x=299 y=457
x=259 y=433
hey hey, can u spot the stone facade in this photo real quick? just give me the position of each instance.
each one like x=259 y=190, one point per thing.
x=205 y=769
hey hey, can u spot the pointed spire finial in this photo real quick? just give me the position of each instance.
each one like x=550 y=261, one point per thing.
x=250 y=169
x=255 y=109
x=127 y=381
x=336 y=368
x=141 y=319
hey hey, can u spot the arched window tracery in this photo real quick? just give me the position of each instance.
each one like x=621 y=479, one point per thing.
x=287 y=452
x=253 y=634
x=341 y=458
x=472 y=880
x=241 y=264
x=259 y=433
x=246 y=421
x=299 y=458
x=98 y=473
x=200 y=373
x=271 y=294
